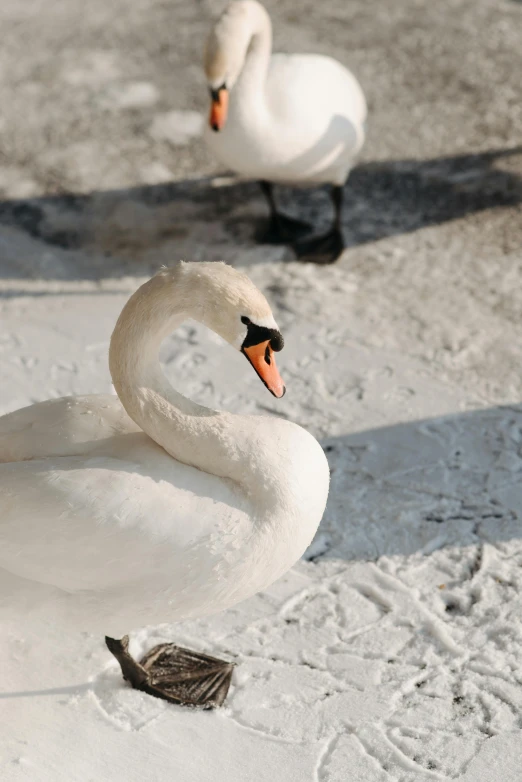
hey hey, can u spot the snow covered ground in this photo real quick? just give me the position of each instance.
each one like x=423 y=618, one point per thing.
x=392 y=653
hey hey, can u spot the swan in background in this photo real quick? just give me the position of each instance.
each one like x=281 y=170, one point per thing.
x=147 y=507
x=294 y=119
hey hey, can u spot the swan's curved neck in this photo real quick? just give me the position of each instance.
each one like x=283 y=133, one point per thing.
x=276 y=467
x=252 y=78
x=189 y=432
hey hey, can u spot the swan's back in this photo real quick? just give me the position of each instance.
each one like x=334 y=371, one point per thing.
x=121 y=536
x=61 y=427
x=315 y=84
x=98 y=519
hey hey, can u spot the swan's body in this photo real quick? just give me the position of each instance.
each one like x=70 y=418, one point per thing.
x=148 y=507
x=292 y=118
x=305 y=128
x=296 y=119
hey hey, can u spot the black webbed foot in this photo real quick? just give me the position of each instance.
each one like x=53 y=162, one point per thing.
x=323 y=249
x=175 y=674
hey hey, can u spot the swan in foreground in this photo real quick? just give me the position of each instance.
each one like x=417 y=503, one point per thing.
x=294 y=119
x=147 y=507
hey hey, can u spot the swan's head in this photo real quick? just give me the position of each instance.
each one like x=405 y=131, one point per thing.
x=227 y=302
x=225 y=53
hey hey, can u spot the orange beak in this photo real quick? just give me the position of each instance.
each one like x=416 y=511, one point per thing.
x=263 y=360
x=218 y=109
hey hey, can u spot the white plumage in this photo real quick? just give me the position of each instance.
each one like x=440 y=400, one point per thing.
x=292 y=118
x=118 y=512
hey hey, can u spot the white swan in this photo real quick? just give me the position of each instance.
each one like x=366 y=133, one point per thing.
x=290 y=118
x=120 y=512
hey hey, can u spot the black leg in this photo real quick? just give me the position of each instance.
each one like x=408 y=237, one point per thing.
x=327 y=247
x=175 y=674
x=281 y=228
x=337 y=200
x=267 y=189
x=132 y=671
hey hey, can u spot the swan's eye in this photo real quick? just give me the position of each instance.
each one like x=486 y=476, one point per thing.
x=267 y=354
x=246 y=320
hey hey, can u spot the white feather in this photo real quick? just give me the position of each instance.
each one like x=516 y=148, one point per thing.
x=173 y=511
x=292 y=118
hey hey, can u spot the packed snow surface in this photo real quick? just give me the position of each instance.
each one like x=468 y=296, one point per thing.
x=392 y=652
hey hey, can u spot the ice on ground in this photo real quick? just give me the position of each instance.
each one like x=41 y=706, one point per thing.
x=392 y=653
x=176 y=127
x=136 y=95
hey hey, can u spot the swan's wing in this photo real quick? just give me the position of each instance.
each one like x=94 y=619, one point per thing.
x=144 y=538
x=62 y=427
x=323 y=101
x=313 y=85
